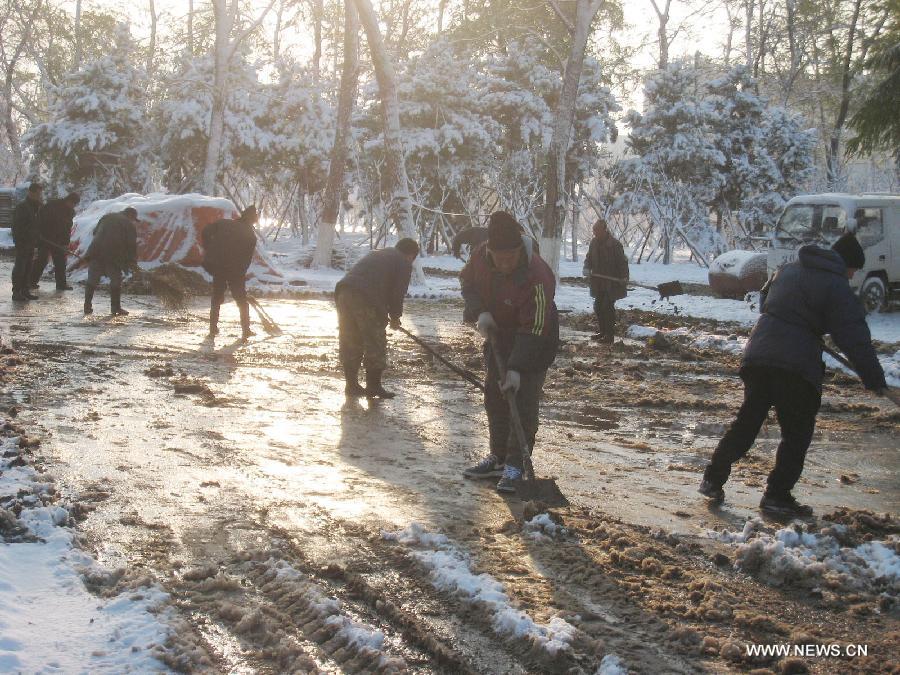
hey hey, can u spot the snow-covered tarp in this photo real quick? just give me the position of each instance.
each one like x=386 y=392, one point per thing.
x=169 y=228
x=736 y=273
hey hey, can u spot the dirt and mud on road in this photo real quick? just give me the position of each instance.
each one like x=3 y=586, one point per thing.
x=296 y=531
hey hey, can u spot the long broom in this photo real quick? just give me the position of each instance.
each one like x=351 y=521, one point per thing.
x=267 y=322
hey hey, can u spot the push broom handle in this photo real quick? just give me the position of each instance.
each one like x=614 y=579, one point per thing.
x=891 y=393
x=514 y=418
x=624 y=281
x=467 y=375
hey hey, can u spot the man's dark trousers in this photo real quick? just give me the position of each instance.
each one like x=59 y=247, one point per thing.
x=503 y=441
x=605 y=309
x=361 y=332
x=796 y=403
x=21 y=275
x=44 y=253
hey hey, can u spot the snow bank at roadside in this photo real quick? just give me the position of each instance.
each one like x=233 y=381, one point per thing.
x=734 y=344
x=48 y=619
x=798 y=556
x=451 y=571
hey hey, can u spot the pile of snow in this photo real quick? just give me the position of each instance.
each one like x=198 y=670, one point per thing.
x=169 y=229
x=542 y=526
x=796 y=556
x=48 y=619
x=451 y=571
x=611 y=665
x=736 y=273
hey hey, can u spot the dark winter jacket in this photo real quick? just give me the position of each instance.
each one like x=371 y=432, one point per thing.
x=115 y=241
x=228 y=247
x=25 y=223
x=383 y=277
x=607 y=257
x=471 y=237
x=55 y=222
x=807 y=299
x=522 y=304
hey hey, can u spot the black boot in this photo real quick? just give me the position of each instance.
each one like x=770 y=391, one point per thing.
x=373 y=385
x=351 y=376
x=115 y=302
x=88 y=300
x=244 y=309
x=214 y=319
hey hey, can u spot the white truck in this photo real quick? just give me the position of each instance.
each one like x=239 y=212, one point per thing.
x=821 y=219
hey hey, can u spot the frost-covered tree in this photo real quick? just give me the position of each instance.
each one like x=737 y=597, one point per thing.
x=95 y=138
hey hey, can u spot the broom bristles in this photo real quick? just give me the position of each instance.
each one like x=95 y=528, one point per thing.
x=169 y=292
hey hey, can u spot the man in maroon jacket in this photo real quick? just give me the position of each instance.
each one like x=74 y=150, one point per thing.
x=508 y=290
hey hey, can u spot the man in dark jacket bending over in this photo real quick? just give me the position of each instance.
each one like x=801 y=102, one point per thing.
x=508 y=290
x=113 y=250
x=55 y=232
x=228 y=248
x=782 y=366
x=370 y=295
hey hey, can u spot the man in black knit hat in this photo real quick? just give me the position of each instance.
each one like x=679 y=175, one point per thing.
x=782 y=366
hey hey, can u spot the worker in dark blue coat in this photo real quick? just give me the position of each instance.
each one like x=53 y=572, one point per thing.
x=782 y=366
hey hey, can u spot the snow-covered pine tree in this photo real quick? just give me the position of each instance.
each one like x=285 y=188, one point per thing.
x=95 y=139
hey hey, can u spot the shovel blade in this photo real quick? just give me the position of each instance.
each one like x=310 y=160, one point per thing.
x=669 y=289
x=541 y=490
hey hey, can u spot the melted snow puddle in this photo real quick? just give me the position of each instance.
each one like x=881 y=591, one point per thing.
x=451 y=571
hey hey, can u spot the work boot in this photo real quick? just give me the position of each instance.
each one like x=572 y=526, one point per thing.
x=784 y=506
x=88 y=300
x=19 y=296
x=489 y=467
x=373 y=385
x=65 y=287
x=214 y=320
x=352 y=388
x=115 y=302
x=511 y=476
x=715 y=493
x=244 y=309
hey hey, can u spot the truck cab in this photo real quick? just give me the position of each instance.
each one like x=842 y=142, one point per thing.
x=822 y=219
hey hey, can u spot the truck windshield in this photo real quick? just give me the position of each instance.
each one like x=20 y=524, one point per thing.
x=811 y=222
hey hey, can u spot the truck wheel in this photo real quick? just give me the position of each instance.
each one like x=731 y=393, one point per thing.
x=873 y=294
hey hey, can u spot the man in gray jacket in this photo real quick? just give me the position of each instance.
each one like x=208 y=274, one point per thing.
x=369 y=296
x=782 y=366
x=605 y=257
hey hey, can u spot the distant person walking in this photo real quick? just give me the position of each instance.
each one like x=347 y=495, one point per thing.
x=113 y=250
x=228 y=248
x=25 y=238
x=55 y=232
x=782 y=366
x=606 y=257
x=369 y=297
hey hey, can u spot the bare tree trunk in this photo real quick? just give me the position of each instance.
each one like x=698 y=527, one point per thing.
x=318 y=14
x=442 y=6
x=190 y=28
x=334 y=186
x=833 y=151
x=554 y=204
x=77 y=60
x=151 y=48
x=223 y=51
x=748 y=33
x=276 y=37
x=400 y=206
x=662 y=33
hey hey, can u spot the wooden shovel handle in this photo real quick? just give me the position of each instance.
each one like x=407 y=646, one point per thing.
x=514 y=419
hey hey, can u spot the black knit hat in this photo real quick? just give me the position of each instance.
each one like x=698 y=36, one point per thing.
x=849 y=249
x=504 y=232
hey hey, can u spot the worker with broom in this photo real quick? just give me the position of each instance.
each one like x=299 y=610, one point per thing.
x=112 y=252
x=228 y=248
x=54 y=234
x=25 y=236
x=369 y=297
x=605 y=257
x=782 y=366
x=509 y=297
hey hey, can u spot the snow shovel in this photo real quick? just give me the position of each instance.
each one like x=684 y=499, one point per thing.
x=467 y=375
x=529 y=488
x=665 y=290
x=890 y=393
x=268 y=323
